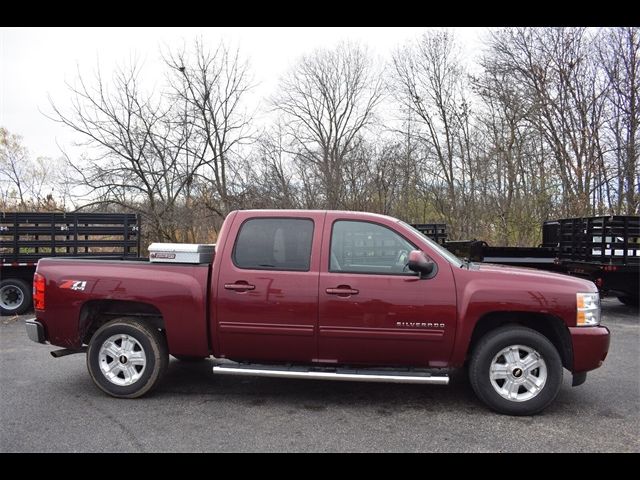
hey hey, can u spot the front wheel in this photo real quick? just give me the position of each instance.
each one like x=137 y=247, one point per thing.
x=516 y=371
x=127 y=357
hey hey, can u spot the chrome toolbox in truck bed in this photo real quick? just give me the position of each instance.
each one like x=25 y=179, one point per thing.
x=181 y=252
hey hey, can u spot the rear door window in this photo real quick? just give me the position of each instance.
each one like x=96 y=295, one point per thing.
x=274 y=244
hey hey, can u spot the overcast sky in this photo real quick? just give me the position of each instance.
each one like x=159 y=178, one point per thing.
x=36 y=62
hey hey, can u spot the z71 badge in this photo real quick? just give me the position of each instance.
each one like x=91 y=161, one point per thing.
x=74 y=284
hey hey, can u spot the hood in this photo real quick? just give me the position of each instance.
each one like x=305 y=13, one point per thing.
x=534 y=275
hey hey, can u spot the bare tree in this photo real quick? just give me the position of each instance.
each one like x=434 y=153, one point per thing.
x=517 y=181
x=427 y=81
x=327 y=100
x=211 y=85
x=619 y=52
x=557 y=74
x=275 y=172
x=157 y=153
x=139 y=149
x=386 y=176
x=25 y=182
x=13 y=164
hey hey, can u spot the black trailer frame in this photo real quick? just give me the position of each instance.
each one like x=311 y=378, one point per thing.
x=435 y=231
x=26 y=237
x=605 y=250
x=542 y=257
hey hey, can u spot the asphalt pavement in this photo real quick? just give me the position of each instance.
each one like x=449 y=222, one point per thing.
x=51 y=405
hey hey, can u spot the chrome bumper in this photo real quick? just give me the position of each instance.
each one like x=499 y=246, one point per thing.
x=35 y=331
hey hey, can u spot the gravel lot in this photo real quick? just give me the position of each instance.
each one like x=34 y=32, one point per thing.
x=49 y=405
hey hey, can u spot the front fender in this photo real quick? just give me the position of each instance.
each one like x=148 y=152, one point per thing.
x=481 y=294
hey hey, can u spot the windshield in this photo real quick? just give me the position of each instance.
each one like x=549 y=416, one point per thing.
x=436 y=246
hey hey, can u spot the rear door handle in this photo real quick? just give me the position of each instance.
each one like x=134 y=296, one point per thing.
x=342 y=290
x=239 y=287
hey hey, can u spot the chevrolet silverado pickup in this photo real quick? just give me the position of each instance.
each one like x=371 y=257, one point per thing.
x=329 y=295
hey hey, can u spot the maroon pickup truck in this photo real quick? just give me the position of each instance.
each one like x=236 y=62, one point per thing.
x=324 y=295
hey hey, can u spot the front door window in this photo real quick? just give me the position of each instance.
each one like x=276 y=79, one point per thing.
x=364 y=247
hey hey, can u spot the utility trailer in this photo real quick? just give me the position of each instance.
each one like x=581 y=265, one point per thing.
x=26 y=237
x=605 y=250
x=435 y=231
x=541 y=257
x=480 y=251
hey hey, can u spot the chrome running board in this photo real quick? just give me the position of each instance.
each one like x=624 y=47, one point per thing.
x=340 y=374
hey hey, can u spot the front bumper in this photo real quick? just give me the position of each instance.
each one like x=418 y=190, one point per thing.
x=590 y=347
x=35 y=331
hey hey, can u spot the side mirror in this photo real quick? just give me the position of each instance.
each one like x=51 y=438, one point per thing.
x=418 y=262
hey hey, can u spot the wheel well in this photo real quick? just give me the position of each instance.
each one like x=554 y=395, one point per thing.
x=96 y=313
x=548 y=325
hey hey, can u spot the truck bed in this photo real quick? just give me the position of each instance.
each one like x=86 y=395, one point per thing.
x=177 y=293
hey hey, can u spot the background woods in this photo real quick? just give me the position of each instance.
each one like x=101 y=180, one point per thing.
x=544 y=124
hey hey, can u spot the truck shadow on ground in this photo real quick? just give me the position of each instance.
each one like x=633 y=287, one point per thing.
x=315 y=395
x=385 y=399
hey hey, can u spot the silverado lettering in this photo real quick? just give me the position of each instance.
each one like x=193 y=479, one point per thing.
x=420 y=324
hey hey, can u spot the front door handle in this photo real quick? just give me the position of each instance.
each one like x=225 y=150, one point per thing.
x=239 y=286
x=342 y=291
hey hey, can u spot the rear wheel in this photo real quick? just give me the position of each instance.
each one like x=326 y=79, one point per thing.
x=629 y=300
x=127 y=357
x=516 y=371
x=15 y=296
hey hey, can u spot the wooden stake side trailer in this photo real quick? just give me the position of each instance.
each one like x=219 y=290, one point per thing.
x=605 y=250
x=26 y=237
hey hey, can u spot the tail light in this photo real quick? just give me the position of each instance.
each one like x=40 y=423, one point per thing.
x=38 y=291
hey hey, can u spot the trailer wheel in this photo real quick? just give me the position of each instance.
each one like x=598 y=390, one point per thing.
x=629 y=300
x=15 y=296
x=127 y=357
x=515 y=370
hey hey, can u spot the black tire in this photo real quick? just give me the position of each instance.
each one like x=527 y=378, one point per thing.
x=629 y=300
x=11 y=289
x=189 y=359
x=151 y=341
x=490 y=345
